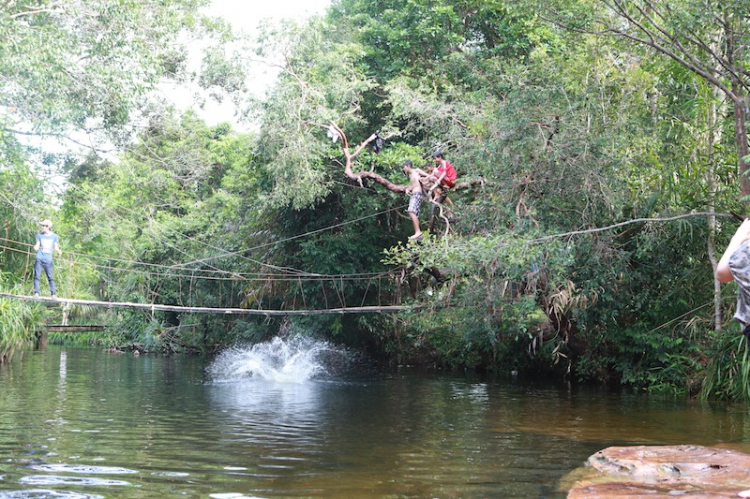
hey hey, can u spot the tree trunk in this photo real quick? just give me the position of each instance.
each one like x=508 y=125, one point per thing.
x=740 y=138
x=713 y=136
x=712 y=257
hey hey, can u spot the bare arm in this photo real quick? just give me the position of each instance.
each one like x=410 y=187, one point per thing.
x=439 y=179
x=427 y=180
x=442 y=170
x=723 y=273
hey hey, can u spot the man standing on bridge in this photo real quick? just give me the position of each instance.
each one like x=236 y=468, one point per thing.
x=46 y=242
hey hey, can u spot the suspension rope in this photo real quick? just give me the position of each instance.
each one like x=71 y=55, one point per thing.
x=226 y=253
x=305 y=234
x=312 y=276
x=172 y=272
x=174 y=231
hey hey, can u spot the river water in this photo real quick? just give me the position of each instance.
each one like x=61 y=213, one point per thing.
x=291 y=419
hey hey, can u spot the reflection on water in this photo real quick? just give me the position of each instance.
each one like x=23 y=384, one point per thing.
x=273 y=421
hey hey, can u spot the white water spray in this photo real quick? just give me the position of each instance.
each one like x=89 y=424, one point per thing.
x=293 y=360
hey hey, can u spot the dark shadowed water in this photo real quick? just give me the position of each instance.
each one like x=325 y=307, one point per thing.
x=270 y=423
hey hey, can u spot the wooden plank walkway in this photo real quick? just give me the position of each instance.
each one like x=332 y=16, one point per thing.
x=210 y=310
x=73 y=328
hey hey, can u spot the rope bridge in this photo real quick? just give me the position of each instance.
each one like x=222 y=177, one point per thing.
x=228 y=286
x=211 y=310
x=326 y=286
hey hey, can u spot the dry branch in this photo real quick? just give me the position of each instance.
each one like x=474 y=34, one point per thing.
x=365 y=174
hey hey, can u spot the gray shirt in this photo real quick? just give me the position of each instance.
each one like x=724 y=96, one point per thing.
x=739 y=264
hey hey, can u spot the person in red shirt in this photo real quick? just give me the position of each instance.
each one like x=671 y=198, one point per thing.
x=446 y=178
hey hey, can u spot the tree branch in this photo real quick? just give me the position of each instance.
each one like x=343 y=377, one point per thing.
x=59 y=136
x=365 y=174
x=660 y=39
x=665 y=37
x=628 y=222
x=31 y=13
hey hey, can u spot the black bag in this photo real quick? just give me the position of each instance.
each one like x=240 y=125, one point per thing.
x=378 y=143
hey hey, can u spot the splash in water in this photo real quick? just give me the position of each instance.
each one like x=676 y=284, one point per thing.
x=293 y=360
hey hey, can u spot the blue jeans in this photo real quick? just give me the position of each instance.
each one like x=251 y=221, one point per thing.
x=40 y=264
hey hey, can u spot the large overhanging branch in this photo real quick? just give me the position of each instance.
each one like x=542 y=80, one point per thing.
x=363 y=174
x=358 y=176
x=368 y=174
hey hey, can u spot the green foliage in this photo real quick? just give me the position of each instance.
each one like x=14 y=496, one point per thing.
x=569 y=132
x=656 y=361
x=728 y=368
x=414 y=37
x=81 y=339
x=247 y=332
x=321 y=84
x=64 y=64
x=18 y=323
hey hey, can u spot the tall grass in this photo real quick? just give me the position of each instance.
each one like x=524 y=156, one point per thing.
x=18 y=322
x=728 y=371
x=82 y=339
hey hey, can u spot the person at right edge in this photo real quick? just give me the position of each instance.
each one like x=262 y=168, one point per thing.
x=46 y=242
x=735 y=266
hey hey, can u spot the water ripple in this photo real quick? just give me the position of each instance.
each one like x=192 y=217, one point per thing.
x=176 y=474
x=45 y=494
x=80 y=468
x=231 y=495
x=67 y=480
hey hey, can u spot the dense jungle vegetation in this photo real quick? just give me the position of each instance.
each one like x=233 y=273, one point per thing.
x=561 y=118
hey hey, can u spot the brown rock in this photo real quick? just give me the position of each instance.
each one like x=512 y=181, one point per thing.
x=656 y=472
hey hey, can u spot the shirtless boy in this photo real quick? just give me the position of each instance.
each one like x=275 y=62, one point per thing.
x=415 y=199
